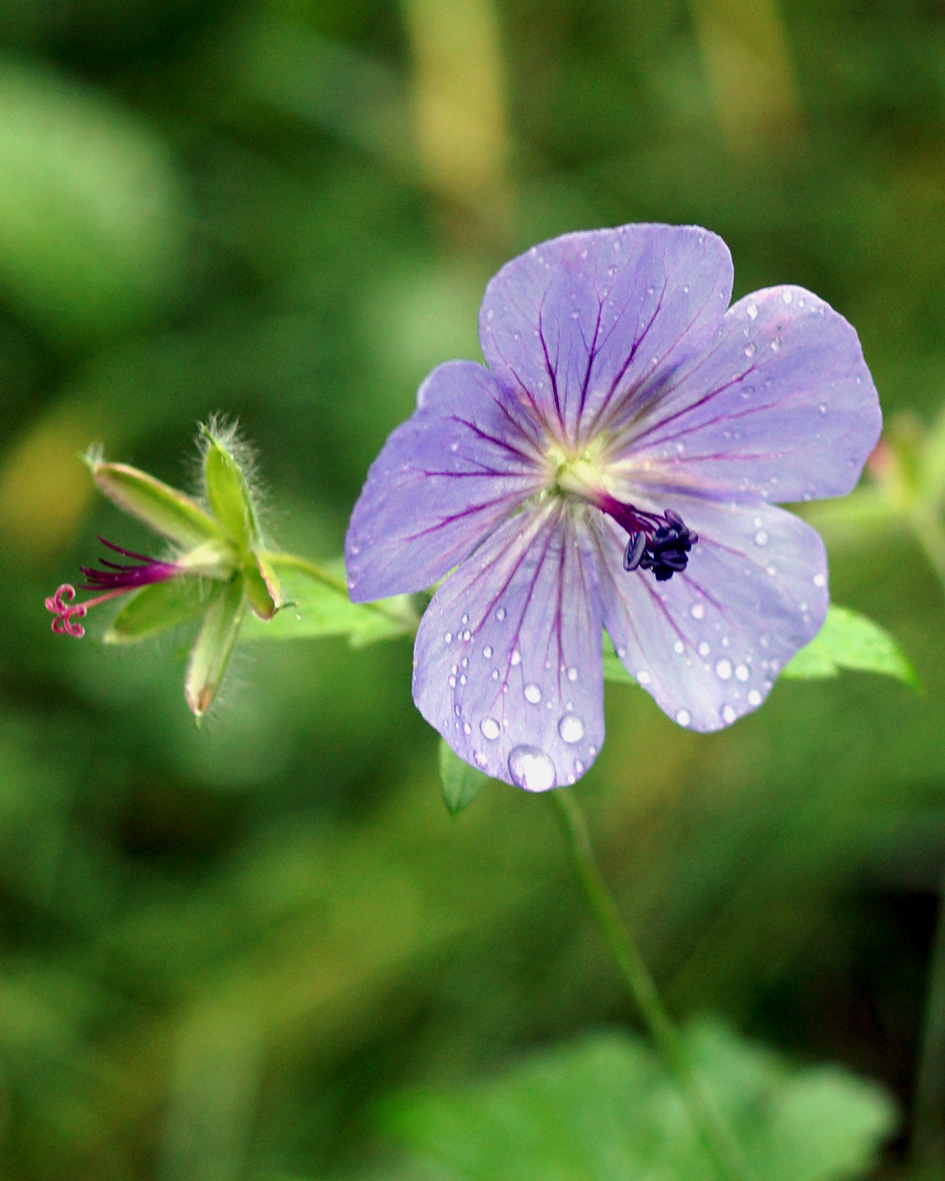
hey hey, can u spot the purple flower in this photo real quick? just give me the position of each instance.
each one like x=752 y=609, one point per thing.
x=614 y=467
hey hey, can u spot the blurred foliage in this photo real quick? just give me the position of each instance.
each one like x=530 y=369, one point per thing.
x=604 y=1109
x=220 y=950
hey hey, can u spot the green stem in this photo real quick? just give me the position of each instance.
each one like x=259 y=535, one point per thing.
x=726 y=1154
x=401 y=614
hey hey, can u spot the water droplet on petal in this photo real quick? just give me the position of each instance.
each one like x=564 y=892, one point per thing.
x=820 y=580
x=754 y=697
x=697 y=610
x=728 y=715
x=752 y=311
x=741 y=672
x=515 y=657
x=571 y=728
x=487 y=651
x=531 y=768
x=771 y=571
x=467 y=635
x=532 y=693
x=787 y=297
x=683 y=717
x=500 y=614
x=723 y=669
x=749 y=350
x=464 y=620
x=679 y=647
x=572 y=674
x=704 y=648
x=447 y=637
x=643 y=677
x=761 y=538
x=490 y=728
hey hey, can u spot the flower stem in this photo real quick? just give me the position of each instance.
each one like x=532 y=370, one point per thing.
x=725 y=1152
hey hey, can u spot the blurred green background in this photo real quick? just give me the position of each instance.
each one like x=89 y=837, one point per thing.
x=220 y=950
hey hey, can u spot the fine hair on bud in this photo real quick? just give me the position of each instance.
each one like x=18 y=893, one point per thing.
x=225 y=432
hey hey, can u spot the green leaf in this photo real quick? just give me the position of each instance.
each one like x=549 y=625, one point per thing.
x=850 y=640
x=605 y=1108
x=460 y=782
x=160 y=507
x=317 y=604
x=157 y=608
x=228 y=491
x=214 y=645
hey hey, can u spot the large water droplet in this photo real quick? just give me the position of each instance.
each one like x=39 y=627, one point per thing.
x=490 y=728
x=532 y=693
x=741 y=671
x=820 y=580
x=754 y=697
x=531 y=768
x=643 y=677
x=723 y=669
x=683 y=717
x=571 y=728
x=679 y=647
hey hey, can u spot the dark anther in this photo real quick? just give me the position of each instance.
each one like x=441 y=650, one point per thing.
x=657 y=543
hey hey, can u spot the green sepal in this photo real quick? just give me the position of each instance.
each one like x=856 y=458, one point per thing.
x=262 y=586
x=850 y=640
x=228 y=492
x=460 y=782
x=160 y=507
x=214 y=644
x=156 y=608
x=317 y=604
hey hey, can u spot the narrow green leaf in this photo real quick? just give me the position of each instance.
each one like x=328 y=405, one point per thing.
x=605 y=1108
x=460 y=782
x=317 y=604
x=228 y=492
x=160 y=507
x=214 y=644
x=156 y=608
x=850 y=640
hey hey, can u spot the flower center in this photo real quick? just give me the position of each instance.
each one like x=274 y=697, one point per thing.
x=659 y=542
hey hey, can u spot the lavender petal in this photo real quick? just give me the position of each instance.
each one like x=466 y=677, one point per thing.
x=442 y=482
x=591 y=322
x=782 y=406
x=507 y=663
x=708 y=644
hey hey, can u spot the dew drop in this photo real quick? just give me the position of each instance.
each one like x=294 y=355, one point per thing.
x=500 y=614
x=480 y=759
x=532 y=693
x=467 y=729
x=749 y=350
x=679 y=647
x=572 y=674
x=571 y=728
x=487 y=652
x=643 y=677
x=761 y=538
x=515 y=657
x=703 y=649
x=728 y=715
x=447 y=637
x=683 y=717
x=697 y=610
x=467 y=635
x=490 y=728
x=787 y=297
x=752 y=311
x=531 y=768
x=754 y=697
x=820 y=580
x=776 y=345
x=741 y=671
x=451 y=681
x=723 y=669
x=462 y=679
x=464 y=620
